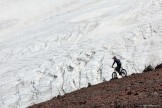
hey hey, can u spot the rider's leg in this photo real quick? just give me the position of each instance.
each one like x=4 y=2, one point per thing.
x=118 y=69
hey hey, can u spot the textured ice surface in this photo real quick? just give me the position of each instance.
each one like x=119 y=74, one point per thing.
x=52 y=47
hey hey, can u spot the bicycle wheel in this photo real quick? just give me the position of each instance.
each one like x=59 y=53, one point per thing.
x=123 y=73
x=114 y=75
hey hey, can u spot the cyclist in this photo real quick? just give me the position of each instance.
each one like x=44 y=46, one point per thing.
x=117 y=61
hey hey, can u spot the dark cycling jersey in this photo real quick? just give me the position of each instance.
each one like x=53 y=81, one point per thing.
x=117 y=61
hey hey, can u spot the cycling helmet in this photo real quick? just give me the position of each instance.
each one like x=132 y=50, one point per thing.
x=114 y=57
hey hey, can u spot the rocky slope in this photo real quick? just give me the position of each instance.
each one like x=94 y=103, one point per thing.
x=136 y=91
x=53 y=47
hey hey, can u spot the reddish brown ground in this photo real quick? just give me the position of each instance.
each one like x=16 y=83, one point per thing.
x=136 y=91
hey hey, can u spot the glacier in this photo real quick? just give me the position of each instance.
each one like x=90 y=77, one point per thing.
x=52 y=47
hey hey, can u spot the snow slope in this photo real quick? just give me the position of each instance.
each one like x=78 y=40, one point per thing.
x=52 y=47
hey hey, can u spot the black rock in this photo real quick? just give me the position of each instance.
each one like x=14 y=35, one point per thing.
x=148 y=68
x=158 y=66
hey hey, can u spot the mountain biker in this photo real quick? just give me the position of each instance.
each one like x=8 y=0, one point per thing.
x=117 y=61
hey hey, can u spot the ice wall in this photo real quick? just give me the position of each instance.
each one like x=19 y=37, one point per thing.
x=58 y=46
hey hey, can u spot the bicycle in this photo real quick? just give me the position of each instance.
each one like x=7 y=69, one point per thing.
x=123 y=73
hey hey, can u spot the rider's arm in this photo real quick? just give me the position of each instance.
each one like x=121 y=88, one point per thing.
x=113 y=64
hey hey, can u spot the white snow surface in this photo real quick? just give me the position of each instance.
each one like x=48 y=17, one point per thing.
x=53 y=47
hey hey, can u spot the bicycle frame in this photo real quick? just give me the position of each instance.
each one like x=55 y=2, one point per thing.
x=115 y=69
